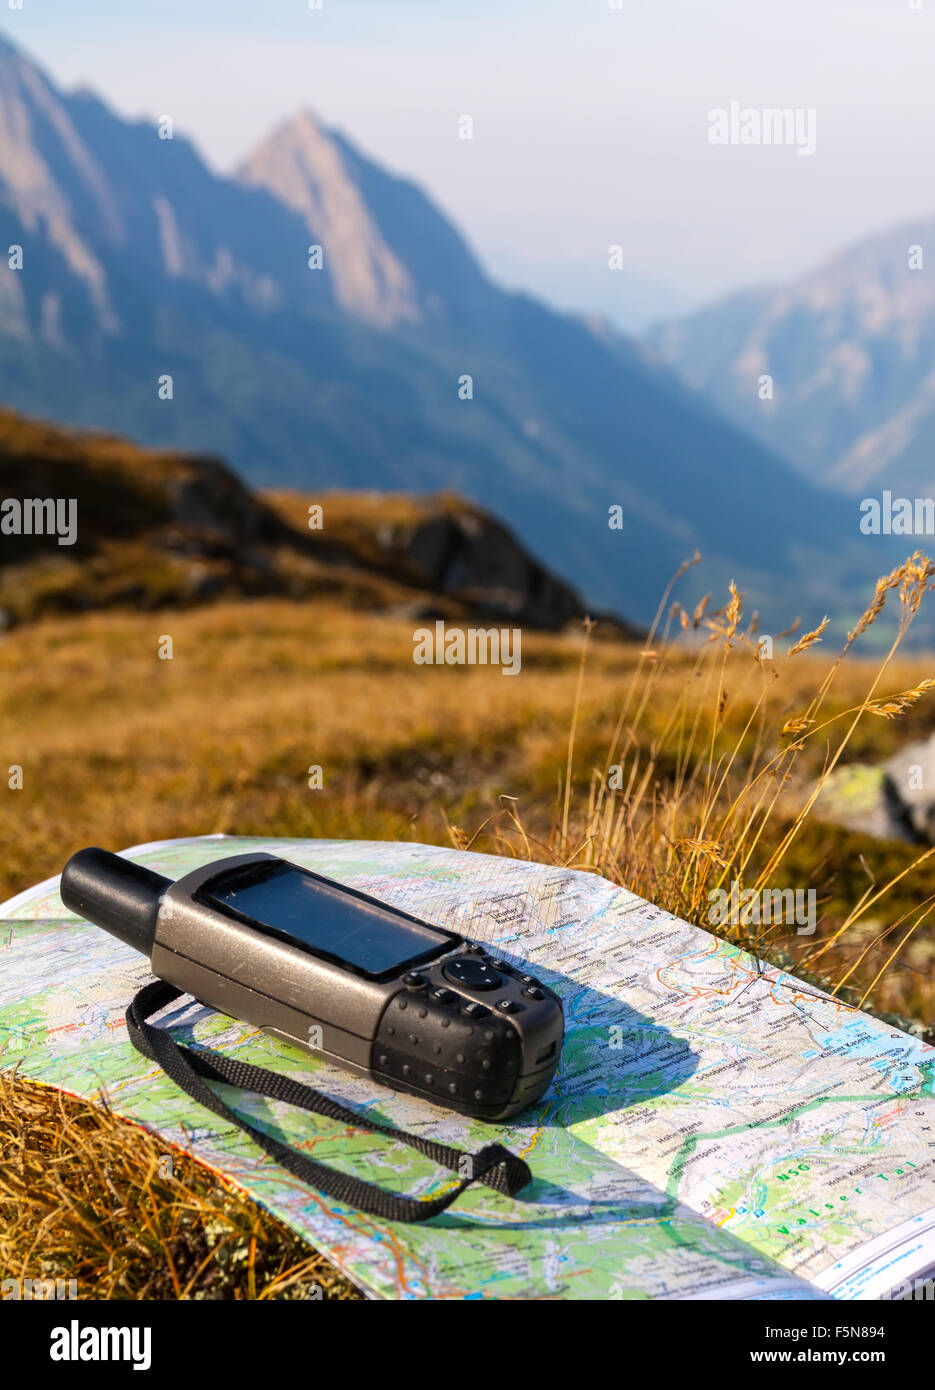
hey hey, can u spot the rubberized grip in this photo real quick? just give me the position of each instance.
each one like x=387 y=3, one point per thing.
x=116 y=894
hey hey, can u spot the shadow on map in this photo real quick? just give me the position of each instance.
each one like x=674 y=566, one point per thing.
x=613 y=1059
x=613 y=1056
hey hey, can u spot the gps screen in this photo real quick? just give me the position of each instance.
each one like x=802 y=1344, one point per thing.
x=327 y=920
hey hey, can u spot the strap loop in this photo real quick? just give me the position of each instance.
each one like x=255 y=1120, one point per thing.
x=494 y=1165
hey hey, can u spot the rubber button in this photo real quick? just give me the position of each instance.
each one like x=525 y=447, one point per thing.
x=414 y=979
x=533 y=992
x=506 y=1006
x=473 y=974
x=441 y=995
x=473 y=1010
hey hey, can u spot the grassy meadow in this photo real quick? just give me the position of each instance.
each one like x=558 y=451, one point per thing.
x=672 y=766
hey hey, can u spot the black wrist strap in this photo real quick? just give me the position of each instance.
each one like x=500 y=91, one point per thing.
x=190 y=1069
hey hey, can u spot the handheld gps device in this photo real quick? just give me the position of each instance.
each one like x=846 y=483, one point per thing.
x=336 y=972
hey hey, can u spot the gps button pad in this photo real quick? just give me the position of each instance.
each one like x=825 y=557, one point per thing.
x=471 y=1032
x=472 y=973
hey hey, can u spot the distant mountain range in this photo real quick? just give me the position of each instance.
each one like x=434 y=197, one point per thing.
x=139 y=264
x=851 y=350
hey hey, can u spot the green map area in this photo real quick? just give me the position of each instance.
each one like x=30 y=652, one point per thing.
x=715 y=1128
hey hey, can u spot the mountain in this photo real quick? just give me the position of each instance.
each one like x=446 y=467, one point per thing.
x=391 y=255
x=152 y=529
x=851 y=350
x=139 y=264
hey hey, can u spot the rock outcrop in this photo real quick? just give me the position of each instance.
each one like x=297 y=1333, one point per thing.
x=155 y=529
x=895 y=801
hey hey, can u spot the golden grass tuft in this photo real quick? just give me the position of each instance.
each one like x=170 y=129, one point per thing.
x=726 y=811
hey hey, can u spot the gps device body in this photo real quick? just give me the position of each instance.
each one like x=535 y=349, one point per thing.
x=336 y=972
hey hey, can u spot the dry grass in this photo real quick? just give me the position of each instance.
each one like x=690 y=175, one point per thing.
x=672 y=768
x=86 y=1197
x=735 y=805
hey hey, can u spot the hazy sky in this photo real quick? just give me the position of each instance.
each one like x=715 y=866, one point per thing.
x=591 y=123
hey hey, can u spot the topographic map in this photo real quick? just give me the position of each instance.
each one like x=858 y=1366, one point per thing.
x=715 y=1129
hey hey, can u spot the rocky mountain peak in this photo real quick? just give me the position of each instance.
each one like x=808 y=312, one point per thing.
x=302 y=165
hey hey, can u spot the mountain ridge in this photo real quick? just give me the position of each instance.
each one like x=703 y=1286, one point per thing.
x=850 y=346
x=155 y=529
x=433 y=377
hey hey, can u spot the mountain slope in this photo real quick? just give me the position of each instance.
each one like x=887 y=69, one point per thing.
x=139 y=264
x=392 y=255
x=150 y=529
x=851 y=349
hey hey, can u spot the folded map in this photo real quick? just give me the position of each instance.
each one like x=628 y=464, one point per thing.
x=716 y=1128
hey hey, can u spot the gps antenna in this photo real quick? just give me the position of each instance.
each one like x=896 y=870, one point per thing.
x=116 y=894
